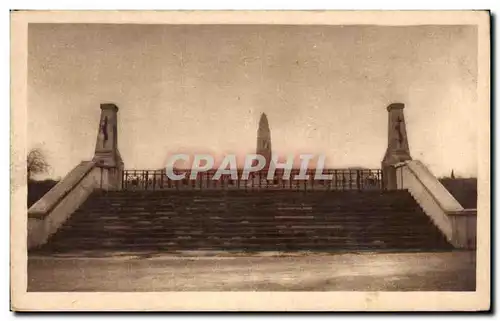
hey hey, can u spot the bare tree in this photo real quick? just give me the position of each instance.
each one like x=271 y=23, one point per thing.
x=36 y=163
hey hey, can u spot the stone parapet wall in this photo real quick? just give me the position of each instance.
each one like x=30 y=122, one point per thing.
x=457 y=224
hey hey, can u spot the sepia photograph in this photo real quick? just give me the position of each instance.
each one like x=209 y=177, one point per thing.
x=246 y=160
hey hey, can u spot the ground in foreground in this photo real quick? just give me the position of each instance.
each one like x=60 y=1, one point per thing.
x=443 y=271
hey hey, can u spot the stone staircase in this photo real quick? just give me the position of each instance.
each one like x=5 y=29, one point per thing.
x=274 y=220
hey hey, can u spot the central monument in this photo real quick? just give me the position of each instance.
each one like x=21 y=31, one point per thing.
x=264 y=140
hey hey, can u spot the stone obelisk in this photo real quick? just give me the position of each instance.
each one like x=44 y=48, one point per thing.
x=264 y=140
x=398 y=149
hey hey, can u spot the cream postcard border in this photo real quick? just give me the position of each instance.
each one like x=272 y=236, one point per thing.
x=21 y=300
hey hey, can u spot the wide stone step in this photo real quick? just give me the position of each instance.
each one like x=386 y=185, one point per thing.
x=249 y=213
x=240 y=217
x=354 y=246
x=274 y=217
x=260 y=202
x=147 y=226
x=255 y=203
x=219 y=193
x=189 y=241
x=237 y=220
x=292 y=230
x=262 y=240
x=257 y=195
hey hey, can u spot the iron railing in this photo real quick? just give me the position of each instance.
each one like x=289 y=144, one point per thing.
x=342 y=179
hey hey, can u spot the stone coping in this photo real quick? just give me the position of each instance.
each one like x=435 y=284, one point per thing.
x=440 y=194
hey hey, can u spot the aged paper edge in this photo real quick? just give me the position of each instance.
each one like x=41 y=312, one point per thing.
x=21 y=300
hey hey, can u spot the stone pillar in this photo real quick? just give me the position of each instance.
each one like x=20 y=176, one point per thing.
x=398 y=149
x=106 y=155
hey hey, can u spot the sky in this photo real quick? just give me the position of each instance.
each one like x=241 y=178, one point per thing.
x=202 y=89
